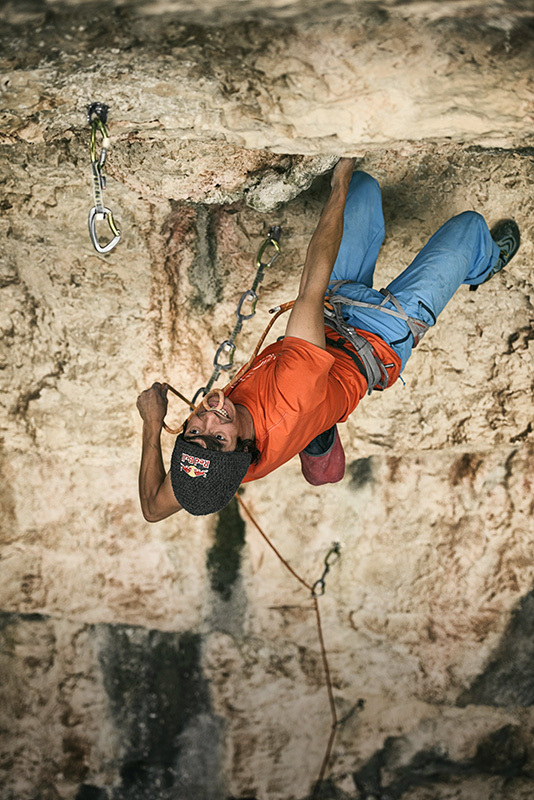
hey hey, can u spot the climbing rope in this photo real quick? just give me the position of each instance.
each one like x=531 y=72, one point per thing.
x=316 y=590
x=97 y=114
x=277 y=311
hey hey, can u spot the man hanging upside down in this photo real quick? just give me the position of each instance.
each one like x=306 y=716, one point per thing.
x=298 y=389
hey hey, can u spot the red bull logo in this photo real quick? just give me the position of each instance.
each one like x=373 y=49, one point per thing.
x=194 y=467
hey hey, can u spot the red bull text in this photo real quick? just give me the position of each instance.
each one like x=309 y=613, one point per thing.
x=194 y=467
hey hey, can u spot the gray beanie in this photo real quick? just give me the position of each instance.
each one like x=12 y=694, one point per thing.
x=204 y=481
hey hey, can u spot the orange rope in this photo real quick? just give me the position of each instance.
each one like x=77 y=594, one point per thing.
x=326 y=667
x=178 y=394
x=325 y=663
x=271 y=545
x=279 y=310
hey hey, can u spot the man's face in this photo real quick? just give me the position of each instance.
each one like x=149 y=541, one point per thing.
x=221 y=425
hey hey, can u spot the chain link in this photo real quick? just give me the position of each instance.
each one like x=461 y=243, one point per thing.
x=318 y=588
x=224 y=355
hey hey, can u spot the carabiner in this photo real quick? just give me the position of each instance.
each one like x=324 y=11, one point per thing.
x=202 y=391
x=253 y=298
x=229 y=347
x=318 y=588
x=333 y=554
x=103 y=213
x=272 y=239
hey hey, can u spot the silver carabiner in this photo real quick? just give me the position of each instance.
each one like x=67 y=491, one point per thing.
x=228 y=348
x=103 y=213
x=248 y=296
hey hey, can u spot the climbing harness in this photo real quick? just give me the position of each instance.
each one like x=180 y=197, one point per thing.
x=226 y=349
x=375 y=371
x=97 y=114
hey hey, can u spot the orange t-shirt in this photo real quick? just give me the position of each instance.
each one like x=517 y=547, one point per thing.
x=295 y=390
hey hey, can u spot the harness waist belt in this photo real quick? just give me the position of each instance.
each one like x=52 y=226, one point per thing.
x=365 y=359
x=340 y=345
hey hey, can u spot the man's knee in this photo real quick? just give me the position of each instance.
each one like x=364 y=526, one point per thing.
x=470 y=219
x=364 y=182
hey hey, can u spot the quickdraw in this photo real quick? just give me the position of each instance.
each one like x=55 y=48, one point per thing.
x=226 y=349
x=97 y=114
x=332 y=556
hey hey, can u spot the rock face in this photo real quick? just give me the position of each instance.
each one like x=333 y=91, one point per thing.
x=182 y=660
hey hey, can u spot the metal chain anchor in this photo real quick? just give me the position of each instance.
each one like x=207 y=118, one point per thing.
x=97 y=114
x=226 y=349
x=332 y=556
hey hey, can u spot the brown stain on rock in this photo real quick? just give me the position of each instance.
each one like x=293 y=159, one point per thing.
x=465 y=468
x=76 y=750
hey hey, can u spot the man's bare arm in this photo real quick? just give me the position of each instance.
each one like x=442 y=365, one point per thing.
x=155 y=490
x=306 y=320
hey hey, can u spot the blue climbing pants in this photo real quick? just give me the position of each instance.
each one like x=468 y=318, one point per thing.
x=462 y=251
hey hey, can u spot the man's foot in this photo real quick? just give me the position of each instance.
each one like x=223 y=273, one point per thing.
x=506 y=235
x=323 y=460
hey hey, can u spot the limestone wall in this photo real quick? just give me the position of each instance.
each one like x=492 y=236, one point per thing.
x=181 y=660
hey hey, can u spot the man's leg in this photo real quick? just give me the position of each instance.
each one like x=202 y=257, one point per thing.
x=462 y=251
x=363 y=231
x=323 y=460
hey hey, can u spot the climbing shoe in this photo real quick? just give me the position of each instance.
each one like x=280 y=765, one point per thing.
x=323 y=460
x=505 y=234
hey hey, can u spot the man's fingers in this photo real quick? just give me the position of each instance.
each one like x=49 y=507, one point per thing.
x=161 y=388
x=343 y=170
x=157 y=393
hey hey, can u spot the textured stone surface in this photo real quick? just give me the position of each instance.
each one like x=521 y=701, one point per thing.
x=371 y=77
x=181 y=660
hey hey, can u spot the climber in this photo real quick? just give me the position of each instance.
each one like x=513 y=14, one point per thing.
x=297 y=389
